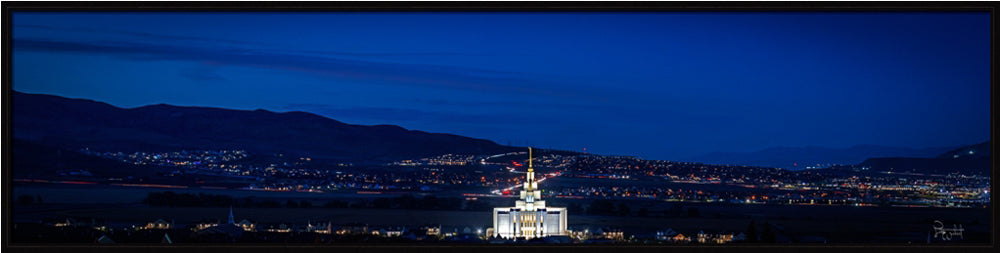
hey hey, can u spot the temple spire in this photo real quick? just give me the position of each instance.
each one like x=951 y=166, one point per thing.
x=231 y=221
x=530 y=167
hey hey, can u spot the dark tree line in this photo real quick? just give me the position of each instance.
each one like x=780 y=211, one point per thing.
x=173 y=199
x=608 y=208
x=26 y=199
x=764 y=235
x=170 y=198
x=426 y=203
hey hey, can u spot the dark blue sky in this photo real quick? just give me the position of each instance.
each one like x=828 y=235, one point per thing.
x=656 y=85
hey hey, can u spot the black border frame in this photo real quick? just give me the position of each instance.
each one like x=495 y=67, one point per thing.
x=485 y=6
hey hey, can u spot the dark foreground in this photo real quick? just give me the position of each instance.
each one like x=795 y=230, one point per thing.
x=816 y=224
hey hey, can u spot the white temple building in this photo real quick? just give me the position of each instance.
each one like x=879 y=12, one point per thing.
x=529 y=217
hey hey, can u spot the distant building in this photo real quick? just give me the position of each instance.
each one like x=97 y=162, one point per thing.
x=247 y=225
x=434 y=230
x=580 y=233
x=353 y=228
x=611 y=234
x=278 y=228
x=680 y=238
x=229 y=229
x=205 y=223
x=529 y=217
x=740 y=237
x=665 y=235
x=159 y=224
x=70 y=222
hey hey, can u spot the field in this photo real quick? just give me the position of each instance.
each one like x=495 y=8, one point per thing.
x=107 y=194
x=642 y=181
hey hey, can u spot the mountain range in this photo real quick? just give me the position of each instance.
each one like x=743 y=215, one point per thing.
x=71 y=124
x=79 y=123
x=970 y=160
x=801 y=157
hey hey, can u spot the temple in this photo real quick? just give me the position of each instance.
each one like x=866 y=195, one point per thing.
x=529 y=217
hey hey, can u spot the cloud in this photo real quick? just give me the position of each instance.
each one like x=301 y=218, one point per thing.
x=229 y=43
x=390 y=114
x=431 y=76
x=139 y=35
x=521 y=104
x=202 y=74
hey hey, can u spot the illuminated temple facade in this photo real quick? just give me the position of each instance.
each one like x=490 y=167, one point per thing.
x=529 y=217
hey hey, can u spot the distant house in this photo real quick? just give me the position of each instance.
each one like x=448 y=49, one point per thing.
x=311 y=228
x=665 y=235
x=389 y=231
x=159 y=224
x=71 y=222
x=353 y=228
x=723 y=238
x=580 y=233
x=68 y=222
x=205 y=223
x=321 y=228
x=395 y=231
x=680 y=238
x=278 y=228
x=611 y=234
x=227 y=230
x=740 y=237
x=449 y=231
x=432 y=230
x=104 y=239
x=247 y=225
x=418 y=234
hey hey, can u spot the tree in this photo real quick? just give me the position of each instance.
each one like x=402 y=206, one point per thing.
x=693 y=212
x=429 y=202
x=643 y=212
x=336 y=204
x=305 y=203
x=291 y=204
x=574 y=208
x=382 y=203
x=269 y=203
x=38 y=198
x=450 y=203
x=767 y=235
x=675 y=210
x=247 y=202
x=623 y=210
x=601 y=207
x=25 y=199
x=361 y=203
x=752 y=232
x=478 y=205
x=407 y=202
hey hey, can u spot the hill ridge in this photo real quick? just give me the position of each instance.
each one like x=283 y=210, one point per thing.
x=75 y=123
